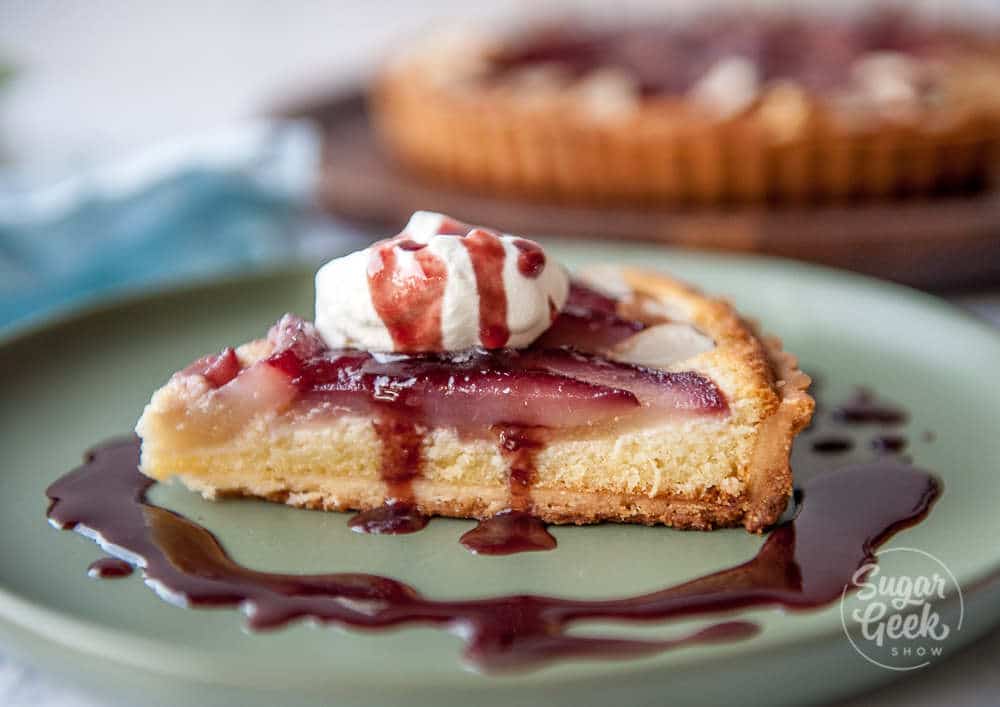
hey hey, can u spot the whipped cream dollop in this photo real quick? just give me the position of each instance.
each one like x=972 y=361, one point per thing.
x=440 y=285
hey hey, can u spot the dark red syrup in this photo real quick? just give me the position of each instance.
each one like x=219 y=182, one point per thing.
x=865 y=408
x=519 y=445
x=889 y=443
x=408 y=300
x=832 y=445
x=590 y=318
x=476 y=389
x=843 y=517
x=487 y=254
x=411 y=245
x=515 y=529
x=109 y=568
x=399 y=465
x=507 y=533
x=391 y=518
x=530 y=259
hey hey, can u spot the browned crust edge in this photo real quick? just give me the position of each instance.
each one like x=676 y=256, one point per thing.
x=773 y=376
x=551 y=506
x=770 y=483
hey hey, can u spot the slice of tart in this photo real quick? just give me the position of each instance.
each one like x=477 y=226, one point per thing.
x=637 y=400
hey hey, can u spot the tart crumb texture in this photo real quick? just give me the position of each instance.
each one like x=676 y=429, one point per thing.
x=697 y=472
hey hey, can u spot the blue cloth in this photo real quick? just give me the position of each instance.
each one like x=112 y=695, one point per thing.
x=216 y=203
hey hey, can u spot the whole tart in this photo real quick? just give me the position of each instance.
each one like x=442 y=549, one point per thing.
x=643 y=402
x=722 y=108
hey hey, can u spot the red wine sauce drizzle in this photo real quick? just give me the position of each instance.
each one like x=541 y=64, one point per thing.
x=832 y=445
x=487 y=254
x=889 y=443
x=843 y=517
x=864 y=408
x=399 y=465
x=515 y=529
x=408 y=300
x=109 y=568
x=530 y=258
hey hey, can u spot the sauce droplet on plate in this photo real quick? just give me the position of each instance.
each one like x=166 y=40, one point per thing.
x=865 y=408
x=832 y=445
x=109 y=568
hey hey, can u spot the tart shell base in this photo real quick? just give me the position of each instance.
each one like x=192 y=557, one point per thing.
x=556 y=507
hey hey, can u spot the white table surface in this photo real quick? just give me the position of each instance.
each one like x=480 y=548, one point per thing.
x=95 y=80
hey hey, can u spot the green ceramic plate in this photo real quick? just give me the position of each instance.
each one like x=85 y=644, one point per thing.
x=69 y=384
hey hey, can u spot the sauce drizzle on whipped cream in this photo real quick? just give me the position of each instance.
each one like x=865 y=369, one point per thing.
x=440 y=285
x=409 y=302
x=531 y=259
x=487 y=255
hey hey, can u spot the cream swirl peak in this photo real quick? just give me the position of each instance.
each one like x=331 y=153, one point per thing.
x=440 y=285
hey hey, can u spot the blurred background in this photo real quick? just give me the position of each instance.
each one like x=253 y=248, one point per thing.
x=99 y=79
x=141 y=142
x=144 y=143
x=94 y=81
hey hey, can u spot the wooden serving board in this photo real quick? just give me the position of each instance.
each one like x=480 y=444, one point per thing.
x=947 y=242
